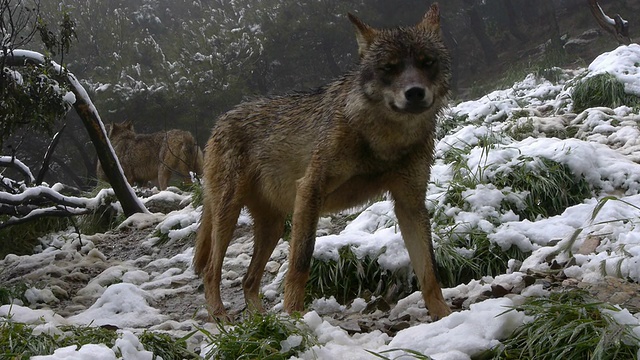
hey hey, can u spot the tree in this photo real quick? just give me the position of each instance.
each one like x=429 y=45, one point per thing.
x=16 y=98
x=28 y=99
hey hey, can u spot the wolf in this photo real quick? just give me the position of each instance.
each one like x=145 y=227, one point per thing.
x=154 y=157
x=367 y=133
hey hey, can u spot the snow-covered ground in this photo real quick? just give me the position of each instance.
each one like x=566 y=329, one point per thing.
x=603 y=151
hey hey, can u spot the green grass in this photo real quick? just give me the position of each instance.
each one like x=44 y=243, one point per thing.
x=446 y=124
x=350 y=277
x=522 y=130
x=550 y=187
x=259 y=336
x=166 y=347
x=408 y=354
x=547 y=187
x=164 y=239
x=569 y=325
x=101 y=220
x=197 y=193
x=13 y=292
x=601 y=90
x=21 y=239
x=466 y=254
x=17 y=341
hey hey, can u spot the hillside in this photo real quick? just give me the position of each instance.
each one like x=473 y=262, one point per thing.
x=532 y=193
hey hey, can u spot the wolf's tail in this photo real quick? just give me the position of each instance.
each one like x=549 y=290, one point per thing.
x=203 y=241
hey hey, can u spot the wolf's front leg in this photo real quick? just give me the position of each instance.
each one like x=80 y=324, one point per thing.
x=415 y=226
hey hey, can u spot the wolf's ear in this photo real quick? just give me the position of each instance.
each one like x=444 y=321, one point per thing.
x=431 y=20
x=364 y=34
x=128 y=124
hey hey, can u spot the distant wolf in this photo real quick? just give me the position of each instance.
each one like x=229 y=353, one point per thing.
x=154 y=157
x=369 y=132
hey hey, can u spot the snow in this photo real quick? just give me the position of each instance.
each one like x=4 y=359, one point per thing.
x=623 y=63
x=603 y=151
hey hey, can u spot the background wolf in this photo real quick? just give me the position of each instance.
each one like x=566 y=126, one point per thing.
x=369 y=132
x=154 y=157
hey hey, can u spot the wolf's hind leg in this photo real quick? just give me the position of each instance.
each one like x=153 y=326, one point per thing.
x=225 y=214
x=164 y=174
x=268 y=227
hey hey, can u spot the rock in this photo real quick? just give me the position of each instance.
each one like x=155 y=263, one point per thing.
x=589 y=245
x=351 y=326
x=499 y=290
x=582 y=42
x=377 y=304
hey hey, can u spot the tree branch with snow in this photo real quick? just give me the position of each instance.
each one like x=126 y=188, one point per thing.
x=617 y=26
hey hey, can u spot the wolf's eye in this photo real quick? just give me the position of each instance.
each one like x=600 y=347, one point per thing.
x=390 y=67
x=427 y=62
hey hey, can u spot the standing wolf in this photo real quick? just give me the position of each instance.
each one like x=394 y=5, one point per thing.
x=369 y=132
x=153 y=157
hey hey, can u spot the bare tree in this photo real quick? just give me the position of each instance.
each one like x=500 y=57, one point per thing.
x=479 y=31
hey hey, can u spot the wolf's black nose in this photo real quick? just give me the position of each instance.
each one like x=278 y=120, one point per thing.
x=415 y=94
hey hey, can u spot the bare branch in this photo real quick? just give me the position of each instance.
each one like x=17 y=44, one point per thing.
x=54 y=211
x=12 y=162
x=617 y=26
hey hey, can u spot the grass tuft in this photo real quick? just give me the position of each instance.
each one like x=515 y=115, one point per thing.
x=351 y=277
x=165 y=347
x=21 y=239
x=550 y=187
x=569 y=325
x=197 y=193
x=601 y=90
x=17 y=340
x=467 y=254
x=260 y=336
x=13 y=292
x=407 y=354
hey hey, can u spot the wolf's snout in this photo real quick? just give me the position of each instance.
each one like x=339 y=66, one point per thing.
x=415 y=95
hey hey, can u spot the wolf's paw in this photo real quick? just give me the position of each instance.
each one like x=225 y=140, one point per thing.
x=438 y=310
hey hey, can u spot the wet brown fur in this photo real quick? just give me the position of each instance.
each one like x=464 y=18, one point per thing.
x=154 y=157
x=325 y=151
